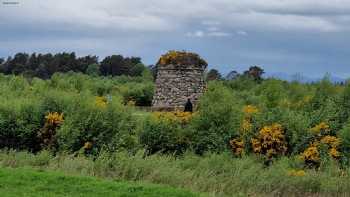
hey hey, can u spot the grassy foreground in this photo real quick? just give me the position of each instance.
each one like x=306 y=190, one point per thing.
x=25 y=182
x=215 y=175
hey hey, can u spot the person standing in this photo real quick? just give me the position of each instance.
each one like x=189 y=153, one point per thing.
x=188 y=106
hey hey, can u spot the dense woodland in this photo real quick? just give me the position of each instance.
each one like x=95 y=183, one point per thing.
x=289 y=133
x=45 y=65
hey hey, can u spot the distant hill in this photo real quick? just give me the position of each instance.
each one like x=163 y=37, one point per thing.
x=302 y=78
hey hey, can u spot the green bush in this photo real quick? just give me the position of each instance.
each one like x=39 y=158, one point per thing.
x=93 y=70
x=92 y=127
x=141 y=94
x=272 y=92
x=295 y=126
x=60 y=101
x=165 y=136
x=20 y=121
x=218 y=119
x=25 y=103
x=344 y=135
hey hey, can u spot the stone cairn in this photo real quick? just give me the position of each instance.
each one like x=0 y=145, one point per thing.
x=180 y=75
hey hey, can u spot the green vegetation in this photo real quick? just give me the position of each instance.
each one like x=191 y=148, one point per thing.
x=182 y=58
x=92 y=110
x=248 y=135
x=217 y=175
x=24 y=182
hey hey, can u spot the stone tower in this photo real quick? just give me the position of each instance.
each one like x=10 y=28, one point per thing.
x=180 y=75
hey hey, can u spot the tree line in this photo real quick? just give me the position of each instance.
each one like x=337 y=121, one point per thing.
x=254 y=72
x=45 y=65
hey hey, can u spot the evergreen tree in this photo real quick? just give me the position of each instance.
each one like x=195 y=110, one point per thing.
x=213 y=74
x=255 y=72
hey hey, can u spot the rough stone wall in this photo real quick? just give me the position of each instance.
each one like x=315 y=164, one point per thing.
x=174 y=84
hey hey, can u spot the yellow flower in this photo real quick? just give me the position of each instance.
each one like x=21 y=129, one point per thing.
x=164 y=116
x=87 y=145
x=237 y=146
x=298 y=173
x=131 y=103
x=333 y=152
x=180 y=58
x=311 y=154
x=332 y=141
x=321 y=127
x=256 y=145
x=270 y=141
x=176 y=116
x=184 y=117
x=307 y=99
x=54 y=118
x=250 y=109
x=246 y=125
x=101 y=101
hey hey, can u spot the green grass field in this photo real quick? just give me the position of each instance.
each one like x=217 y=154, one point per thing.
x=30 y=183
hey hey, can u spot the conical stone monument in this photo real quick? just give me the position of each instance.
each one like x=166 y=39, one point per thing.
x=180 y=76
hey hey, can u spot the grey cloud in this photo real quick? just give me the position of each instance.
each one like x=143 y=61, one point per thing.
x=202 y=34
x=299 y=34
x=167 y=15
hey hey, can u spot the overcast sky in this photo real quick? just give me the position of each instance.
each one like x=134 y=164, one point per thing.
x=290 y=36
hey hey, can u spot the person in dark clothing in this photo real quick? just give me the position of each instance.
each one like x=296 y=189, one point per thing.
x=188 y=106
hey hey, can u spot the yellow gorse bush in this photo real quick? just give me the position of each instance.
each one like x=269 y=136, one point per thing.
x=256 y=144
x=184 y=117
x=286 y=102
x=312 y=155
x=176 y=116
x=297 y=173
x=48 y=132
x=237 y=146
x=322 y=127
x=54 y=118
x=171 y=56
x=333 y=152
x=101 y=101
x=249 y=111
x=270 y=141
x=307 y=99
x=246 y=125
x=332 y=141
x=181 y=58
x=300 y=103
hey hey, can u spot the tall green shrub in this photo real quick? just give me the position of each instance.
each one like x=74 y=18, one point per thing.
x=218 y=119
x=20 y=121
x=95 y=127
x=164 y=135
